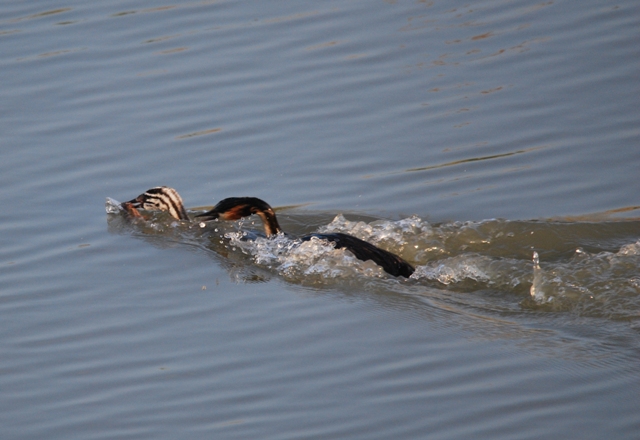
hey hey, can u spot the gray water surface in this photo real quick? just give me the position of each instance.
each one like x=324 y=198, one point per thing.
x=463 y=137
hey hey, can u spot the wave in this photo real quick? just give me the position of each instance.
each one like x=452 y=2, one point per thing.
x=588 y=268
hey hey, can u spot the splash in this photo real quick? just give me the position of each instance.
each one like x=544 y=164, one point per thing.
x=112 y=206
x=296 y=259
x=455 y=270
x=537 y=292
x=589 y=268
x=380 y=231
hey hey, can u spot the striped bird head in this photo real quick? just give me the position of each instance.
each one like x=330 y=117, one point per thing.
x=160 y=198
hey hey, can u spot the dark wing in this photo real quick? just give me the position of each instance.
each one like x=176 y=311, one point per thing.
x=391 y=263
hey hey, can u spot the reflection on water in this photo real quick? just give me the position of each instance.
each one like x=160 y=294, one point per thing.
x=41 y=14
x=586 y=268
x=461 y=162
x=473 y=159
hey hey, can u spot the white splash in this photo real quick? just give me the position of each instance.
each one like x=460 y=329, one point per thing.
x=537 y=293
x=296 y=258
x=381 y=230
x=112 y=206
x=630 y=249
x=456 y=269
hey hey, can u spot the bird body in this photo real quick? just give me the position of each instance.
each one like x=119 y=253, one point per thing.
x=163 y=198
x=234 y=208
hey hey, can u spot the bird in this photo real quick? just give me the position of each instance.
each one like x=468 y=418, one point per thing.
x=159 y=198
x=235 y=208
x=164 y=198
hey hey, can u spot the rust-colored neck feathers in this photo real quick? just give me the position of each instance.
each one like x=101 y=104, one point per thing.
x=235 y=208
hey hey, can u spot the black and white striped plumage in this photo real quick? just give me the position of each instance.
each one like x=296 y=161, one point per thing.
x=160 y=198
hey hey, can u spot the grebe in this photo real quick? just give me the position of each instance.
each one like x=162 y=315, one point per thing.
x=163 y=198
x=160 y=198
x=234 y=208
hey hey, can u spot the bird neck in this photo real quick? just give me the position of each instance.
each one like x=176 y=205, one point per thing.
x=269 y=220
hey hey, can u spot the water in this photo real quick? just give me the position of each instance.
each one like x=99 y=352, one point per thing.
x=465 y=138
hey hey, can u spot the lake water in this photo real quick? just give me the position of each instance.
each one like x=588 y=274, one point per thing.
x=495 y=145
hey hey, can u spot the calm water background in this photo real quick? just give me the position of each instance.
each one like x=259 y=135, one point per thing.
x=451 y=111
